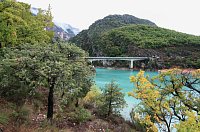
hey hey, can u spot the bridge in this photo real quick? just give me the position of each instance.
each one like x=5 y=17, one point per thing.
x=131 y=59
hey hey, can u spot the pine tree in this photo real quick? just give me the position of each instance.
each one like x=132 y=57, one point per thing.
x=113 y=99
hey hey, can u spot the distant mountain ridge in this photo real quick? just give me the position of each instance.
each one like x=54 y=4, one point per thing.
x=62 y=30
x=114 y=21
x=67 y=27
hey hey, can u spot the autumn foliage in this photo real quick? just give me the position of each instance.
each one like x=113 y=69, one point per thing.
x=169 y=100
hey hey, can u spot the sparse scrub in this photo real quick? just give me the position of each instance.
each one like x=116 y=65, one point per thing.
x=20 y=116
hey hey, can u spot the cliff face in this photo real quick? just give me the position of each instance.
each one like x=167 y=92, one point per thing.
x=63 y=31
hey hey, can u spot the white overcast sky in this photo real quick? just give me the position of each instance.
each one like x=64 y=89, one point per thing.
x=179 y=15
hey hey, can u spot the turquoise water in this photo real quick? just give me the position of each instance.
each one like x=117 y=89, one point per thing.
x=104 y=76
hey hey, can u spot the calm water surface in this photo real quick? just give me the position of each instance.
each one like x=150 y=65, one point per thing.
x=121 y=77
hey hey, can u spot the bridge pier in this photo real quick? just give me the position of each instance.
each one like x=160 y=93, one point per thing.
x=131 y=65
x=104 y=62
x=91 y=61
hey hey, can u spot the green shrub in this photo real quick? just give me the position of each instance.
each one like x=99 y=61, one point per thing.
x=20 y=116
x=92 y=99
x=80 y=115
x=3 y=118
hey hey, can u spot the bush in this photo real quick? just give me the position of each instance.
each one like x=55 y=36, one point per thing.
x=3 y=118
x=20 y=116
x=92 y=99
x=80 y=115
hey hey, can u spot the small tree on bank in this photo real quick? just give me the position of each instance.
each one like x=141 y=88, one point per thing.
x=113 y=100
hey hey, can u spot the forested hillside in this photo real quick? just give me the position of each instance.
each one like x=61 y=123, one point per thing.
x=87 y=39
x=141 y=40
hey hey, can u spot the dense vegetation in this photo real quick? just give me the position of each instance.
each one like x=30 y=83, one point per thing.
x=141 y=40
x=87 y=39
x=43 y=82
x=114 y=21
x=47 y=85
x=130 y=39
x=145 y=37
x=169 y=100
x=19 y=26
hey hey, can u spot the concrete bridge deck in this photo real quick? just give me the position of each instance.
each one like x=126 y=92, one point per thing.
x=131 y=59
x=117 y=58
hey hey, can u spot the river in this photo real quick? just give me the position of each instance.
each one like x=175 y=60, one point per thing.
x=121 y=77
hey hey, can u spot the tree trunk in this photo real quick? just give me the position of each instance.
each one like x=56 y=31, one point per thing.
x=109 y=108
x=110 y=103
x=50 y=100
x=77 y=103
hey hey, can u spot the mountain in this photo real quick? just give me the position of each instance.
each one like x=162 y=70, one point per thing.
x=125 y=35
x=64 y=31
x=67 y=28
x=114 y=21
x=61 y=30
x=87 y=38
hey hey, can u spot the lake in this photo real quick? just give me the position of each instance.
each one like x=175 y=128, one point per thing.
x=121 y=77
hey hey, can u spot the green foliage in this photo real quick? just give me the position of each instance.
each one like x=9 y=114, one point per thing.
x=93 y=97
x=4 y=118
x=112 y=35
x=114 y=21
x=19 y=25
x=142 y=124
x=117 y=41
x=125 y=36
x=20 y=116
x=112 y=100
x=80 y=115
x=59 y=67
x=88 y=39
x=17 y=78
x=191 y=124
